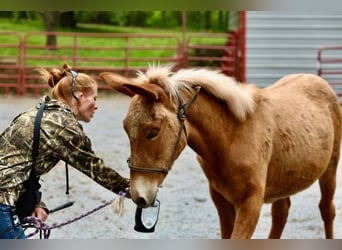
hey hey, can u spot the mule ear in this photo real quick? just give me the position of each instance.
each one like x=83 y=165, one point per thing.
x=151 y=91
x=117 y=82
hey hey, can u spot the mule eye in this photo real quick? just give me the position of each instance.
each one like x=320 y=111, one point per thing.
x=152 y=134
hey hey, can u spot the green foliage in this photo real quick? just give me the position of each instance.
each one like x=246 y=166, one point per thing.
x=164 y=19
x=195 y=20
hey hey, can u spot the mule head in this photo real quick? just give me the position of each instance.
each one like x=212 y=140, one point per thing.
x=155 y=133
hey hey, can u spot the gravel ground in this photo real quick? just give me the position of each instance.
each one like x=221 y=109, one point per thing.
x=187 y=211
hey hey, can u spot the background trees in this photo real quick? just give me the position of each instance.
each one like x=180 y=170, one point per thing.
x=58 y=20
x=196 y=20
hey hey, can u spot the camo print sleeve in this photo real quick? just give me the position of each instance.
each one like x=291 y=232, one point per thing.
x=61 y=138
x=74 y=147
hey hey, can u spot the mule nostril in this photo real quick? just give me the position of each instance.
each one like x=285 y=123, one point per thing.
x=141 y=202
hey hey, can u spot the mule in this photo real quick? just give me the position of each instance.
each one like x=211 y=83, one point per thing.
x=254 y=145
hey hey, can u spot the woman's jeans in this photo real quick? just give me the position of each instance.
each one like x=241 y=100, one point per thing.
x=10 y=227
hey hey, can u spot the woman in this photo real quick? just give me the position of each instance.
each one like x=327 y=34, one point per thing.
x=73 y=99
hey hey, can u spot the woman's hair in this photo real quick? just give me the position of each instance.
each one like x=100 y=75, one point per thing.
x=65 y=82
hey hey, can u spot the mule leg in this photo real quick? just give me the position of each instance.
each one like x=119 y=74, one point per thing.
x=327 y=184
x=280 y=212
x=226 y=213
x=247 y=216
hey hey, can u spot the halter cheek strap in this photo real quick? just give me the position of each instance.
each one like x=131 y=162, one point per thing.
x=183 y=107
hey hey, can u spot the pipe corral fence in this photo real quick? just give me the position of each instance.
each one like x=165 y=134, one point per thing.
x=114 y=52
x=329 y=66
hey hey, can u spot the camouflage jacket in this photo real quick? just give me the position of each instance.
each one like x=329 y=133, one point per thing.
x=61 y=138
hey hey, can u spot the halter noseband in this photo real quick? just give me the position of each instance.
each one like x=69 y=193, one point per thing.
x=181 y=115
x=163 y=170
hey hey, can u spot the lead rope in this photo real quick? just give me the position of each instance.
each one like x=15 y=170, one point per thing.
x=45 y=230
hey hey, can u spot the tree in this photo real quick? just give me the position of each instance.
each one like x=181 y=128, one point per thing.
x=51 y=20
x=207 y=20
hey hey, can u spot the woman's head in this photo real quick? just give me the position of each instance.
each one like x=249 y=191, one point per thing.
x=77 y=90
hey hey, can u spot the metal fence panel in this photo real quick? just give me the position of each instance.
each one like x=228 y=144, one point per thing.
x=115 y=52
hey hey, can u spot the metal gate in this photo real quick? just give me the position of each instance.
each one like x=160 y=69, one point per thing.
x=120 y=53
x=329 y=67
x=10 y=62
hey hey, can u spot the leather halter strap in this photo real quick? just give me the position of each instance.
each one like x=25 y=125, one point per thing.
x=181 y=115
x=163 y=170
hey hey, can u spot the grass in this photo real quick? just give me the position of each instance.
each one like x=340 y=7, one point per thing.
x=112 y=52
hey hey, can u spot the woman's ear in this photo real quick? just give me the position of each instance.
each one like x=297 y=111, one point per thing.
x=79 y=95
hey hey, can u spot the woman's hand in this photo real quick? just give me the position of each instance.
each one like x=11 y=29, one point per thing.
x=40 y=213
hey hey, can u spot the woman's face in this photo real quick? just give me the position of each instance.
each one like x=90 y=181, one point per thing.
x=86 y=105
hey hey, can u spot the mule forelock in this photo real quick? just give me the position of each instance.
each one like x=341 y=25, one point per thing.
x=160 y=75
x=156 y=75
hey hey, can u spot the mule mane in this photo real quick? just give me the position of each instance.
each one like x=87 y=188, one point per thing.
x=238 y=97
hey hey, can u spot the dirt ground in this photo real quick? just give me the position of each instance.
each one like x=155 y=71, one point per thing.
x=187 y=211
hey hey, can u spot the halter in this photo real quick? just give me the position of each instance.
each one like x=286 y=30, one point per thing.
x=181 y=115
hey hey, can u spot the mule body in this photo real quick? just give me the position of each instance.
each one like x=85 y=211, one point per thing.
x=254 y=145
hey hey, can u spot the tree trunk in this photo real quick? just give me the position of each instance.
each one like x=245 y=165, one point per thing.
x=207 y=20
x=51 y=21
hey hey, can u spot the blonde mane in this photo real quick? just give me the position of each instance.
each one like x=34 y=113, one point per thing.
x=239 y=98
